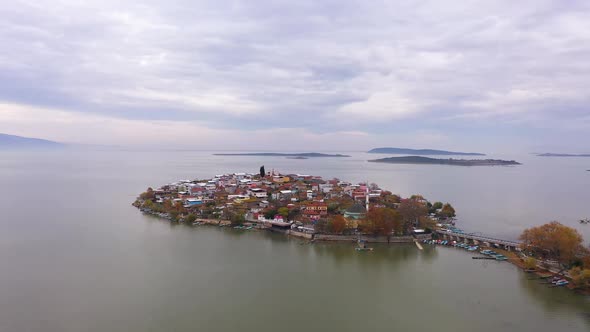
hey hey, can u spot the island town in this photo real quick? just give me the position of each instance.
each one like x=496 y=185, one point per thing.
x=318 y=209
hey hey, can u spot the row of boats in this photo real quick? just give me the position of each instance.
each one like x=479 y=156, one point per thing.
x=486 y=252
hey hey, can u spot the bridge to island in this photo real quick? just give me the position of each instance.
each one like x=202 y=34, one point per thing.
x=474 y=238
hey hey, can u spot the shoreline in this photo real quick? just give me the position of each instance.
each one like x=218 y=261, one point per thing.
x=315 y=237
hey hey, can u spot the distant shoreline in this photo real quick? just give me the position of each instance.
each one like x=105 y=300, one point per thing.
x=276 y=154
x=422 y=152
x=417 y=160
x=562 y=155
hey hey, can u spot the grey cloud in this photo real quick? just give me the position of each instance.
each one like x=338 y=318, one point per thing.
x=261 y=64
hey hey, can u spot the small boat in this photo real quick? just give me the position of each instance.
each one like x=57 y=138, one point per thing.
x=561 y=282
x=501 y=258
x=362 y=246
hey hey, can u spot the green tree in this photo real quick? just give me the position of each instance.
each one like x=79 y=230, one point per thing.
x=283 y=211
x=530 y=263
x=437 y=205
x=190 y=218
x=237 y=219
x=262 y=171
x=270 y=213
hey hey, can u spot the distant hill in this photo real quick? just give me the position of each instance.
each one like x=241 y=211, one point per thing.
x=274 y=154
x=562 y=155
x=423 y=152
x=19 y=142
x=454 y=162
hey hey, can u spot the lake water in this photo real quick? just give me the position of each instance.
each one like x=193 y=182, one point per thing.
x=77 y=257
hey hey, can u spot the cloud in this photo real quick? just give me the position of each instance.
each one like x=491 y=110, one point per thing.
x=318 y=66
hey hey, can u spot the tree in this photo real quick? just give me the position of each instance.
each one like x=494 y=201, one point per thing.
x=270 y=213
x=410 y=211
x=530 y=263
x=337 y=224
x=437 y=205
x=580 y=277
x=237 y=219
x=148 y=194
x=447 y=211
x=321 y=226
x=381 y=221
x=283 y=211
x=262 y=172
x=554 y=241
x=190 y=218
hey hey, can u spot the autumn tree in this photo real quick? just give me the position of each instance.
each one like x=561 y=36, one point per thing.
x=390 y=200
x=381 y=221
x=337 y=224
x=580 y=277
x=447 y=211
x=148 y=194
x=411 y=210
x=553 y=241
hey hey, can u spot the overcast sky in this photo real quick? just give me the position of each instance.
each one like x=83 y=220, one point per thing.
x=487 y=76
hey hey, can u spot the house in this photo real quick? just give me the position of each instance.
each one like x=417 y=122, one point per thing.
x=314 y=210
x=280 y=179
x=257 y=192
x=189 y=202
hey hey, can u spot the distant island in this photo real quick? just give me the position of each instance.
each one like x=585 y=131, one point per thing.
x=274 y=154
x=562 y=155
x=453 y=162
x=19 y=142
x=298 y=157
x=423 y=152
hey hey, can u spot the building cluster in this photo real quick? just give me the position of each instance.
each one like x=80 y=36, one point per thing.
x=281 y=198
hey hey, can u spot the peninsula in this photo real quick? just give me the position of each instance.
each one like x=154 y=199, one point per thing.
x=317 y=209
x=276 y=154
x=562 y=155
x=453 y=162
x=300 y=205
x=422 y=152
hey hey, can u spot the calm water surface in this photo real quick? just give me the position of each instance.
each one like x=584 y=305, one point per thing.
x=77 y=257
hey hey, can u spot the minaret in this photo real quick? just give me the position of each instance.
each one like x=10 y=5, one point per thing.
x=367 y=196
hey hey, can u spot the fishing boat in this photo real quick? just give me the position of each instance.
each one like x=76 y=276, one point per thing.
x=561 y=282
